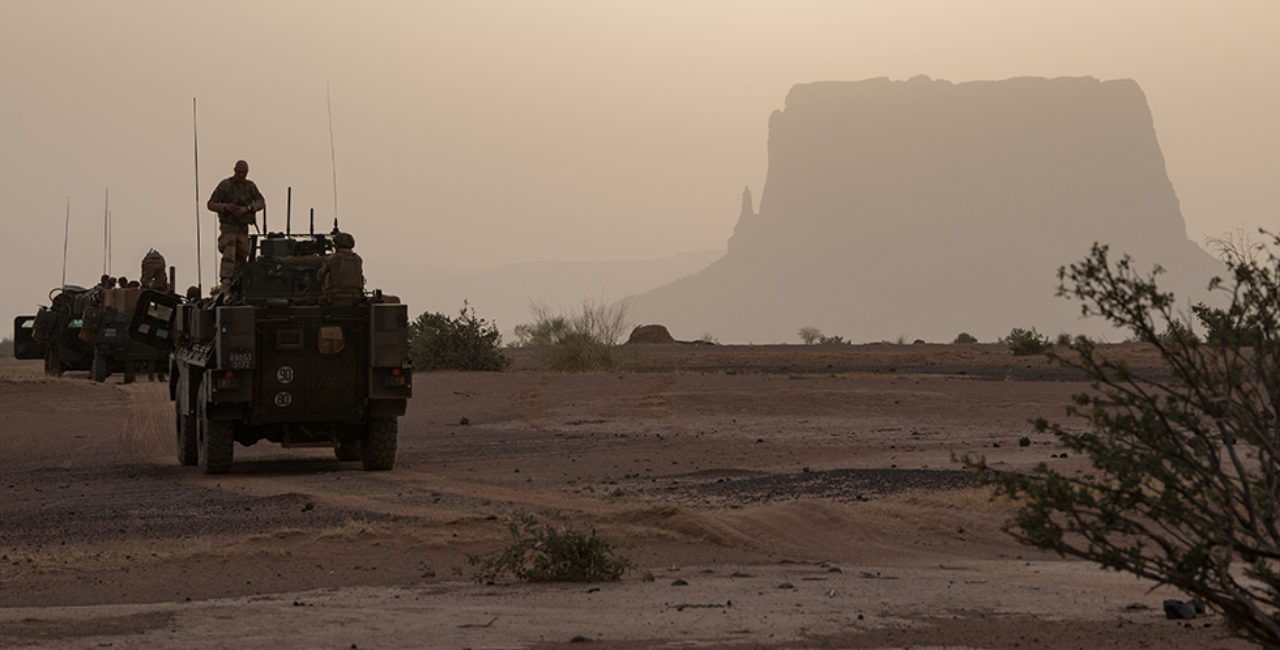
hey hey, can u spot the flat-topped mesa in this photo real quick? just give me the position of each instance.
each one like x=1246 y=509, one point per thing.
x=923 y=208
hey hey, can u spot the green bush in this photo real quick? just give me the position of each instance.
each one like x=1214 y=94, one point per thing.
x=1026 y=342
x=545 y=553
x=437 y=342
x=1184 y=488
x=579 y=343
x=965 y=337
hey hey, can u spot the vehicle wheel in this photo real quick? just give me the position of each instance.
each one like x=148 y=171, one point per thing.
x=348 y=450
x=101 y=367
x=53 y=363
x=216 y=442
x=188 y=451
x=378 y=449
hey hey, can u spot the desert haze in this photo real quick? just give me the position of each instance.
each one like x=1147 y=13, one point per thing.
x=476 y=137
x=731 y=170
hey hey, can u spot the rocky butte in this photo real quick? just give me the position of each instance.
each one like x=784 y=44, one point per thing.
x=923 y=208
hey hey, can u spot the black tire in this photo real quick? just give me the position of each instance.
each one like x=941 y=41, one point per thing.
x=378 y=449
x=188 y=449
x=216 y=442
x=53 y=363
x=101 y=367
x=347 y=451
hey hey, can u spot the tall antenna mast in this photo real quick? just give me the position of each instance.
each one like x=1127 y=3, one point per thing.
x=195 y=137
x=66 y=234
x=106 y=228
x=333 y=156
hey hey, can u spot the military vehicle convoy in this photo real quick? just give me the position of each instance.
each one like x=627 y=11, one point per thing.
x=272 y=358
x=54 y=332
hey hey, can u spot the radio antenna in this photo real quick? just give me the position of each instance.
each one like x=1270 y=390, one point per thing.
x=66 y=234
x=195 y=140
x=333 y=156
x=106 y=228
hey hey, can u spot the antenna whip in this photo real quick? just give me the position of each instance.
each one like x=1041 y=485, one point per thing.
x=195 y=136
x=333 y=156
x=106 y=244
x=66 y=234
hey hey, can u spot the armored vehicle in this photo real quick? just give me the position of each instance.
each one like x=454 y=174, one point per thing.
x=271 y=358
x=54 y=332
x=106 y=327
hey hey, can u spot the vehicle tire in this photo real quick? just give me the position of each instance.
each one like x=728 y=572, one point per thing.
x=53 y=363
x=216 y=442
x=378 y=449
x=188 y=450
x=101 y=367
x=348 y=450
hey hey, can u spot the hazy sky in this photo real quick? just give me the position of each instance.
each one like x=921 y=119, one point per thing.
x=476 y=134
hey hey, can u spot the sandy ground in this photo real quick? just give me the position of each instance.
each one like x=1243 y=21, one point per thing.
x=768 y=497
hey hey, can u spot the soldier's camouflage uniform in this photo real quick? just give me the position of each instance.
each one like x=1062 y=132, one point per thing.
x=233 y=237
x=342 y=277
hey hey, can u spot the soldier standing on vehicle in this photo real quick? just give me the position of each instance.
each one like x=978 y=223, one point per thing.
x=236 y=200
x=342 y=273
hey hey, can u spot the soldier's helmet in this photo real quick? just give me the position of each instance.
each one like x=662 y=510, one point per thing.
x=343 y=240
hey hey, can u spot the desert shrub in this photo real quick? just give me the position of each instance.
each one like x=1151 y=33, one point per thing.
x=547 y=331
x=833 y=340
x=809 y=335
x=1185 y=486
x=438 y=342
x=580 y=342
x=6 y=347
x=965 y=337
x=1026 y=342
x=546 y=553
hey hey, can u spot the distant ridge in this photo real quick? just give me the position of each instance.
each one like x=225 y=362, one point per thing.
x=923 y=208
x=503 y=294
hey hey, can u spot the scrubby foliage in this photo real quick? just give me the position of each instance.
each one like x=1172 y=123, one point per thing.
x=6 y=347
x=809 y=335
x=833 y=340
x=546 y=553
x=465 y=342
x=965 y=337
x=1185 y=486
x=577 y=343
x=1026 y=342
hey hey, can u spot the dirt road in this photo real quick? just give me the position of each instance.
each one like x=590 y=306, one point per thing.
x=806 y=497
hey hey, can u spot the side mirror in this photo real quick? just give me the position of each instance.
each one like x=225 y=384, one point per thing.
x=154 y=319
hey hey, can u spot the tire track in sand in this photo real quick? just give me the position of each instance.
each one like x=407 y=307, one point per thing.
x=149 y=434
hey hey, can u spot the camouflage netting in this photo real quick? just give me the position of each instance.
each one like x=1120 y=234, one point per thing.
x=650 y=334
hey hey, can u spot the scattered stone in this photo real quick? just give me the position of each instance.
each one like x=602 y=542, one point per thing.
x=678 y=582
x=1176 y=609
x=308 y=507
